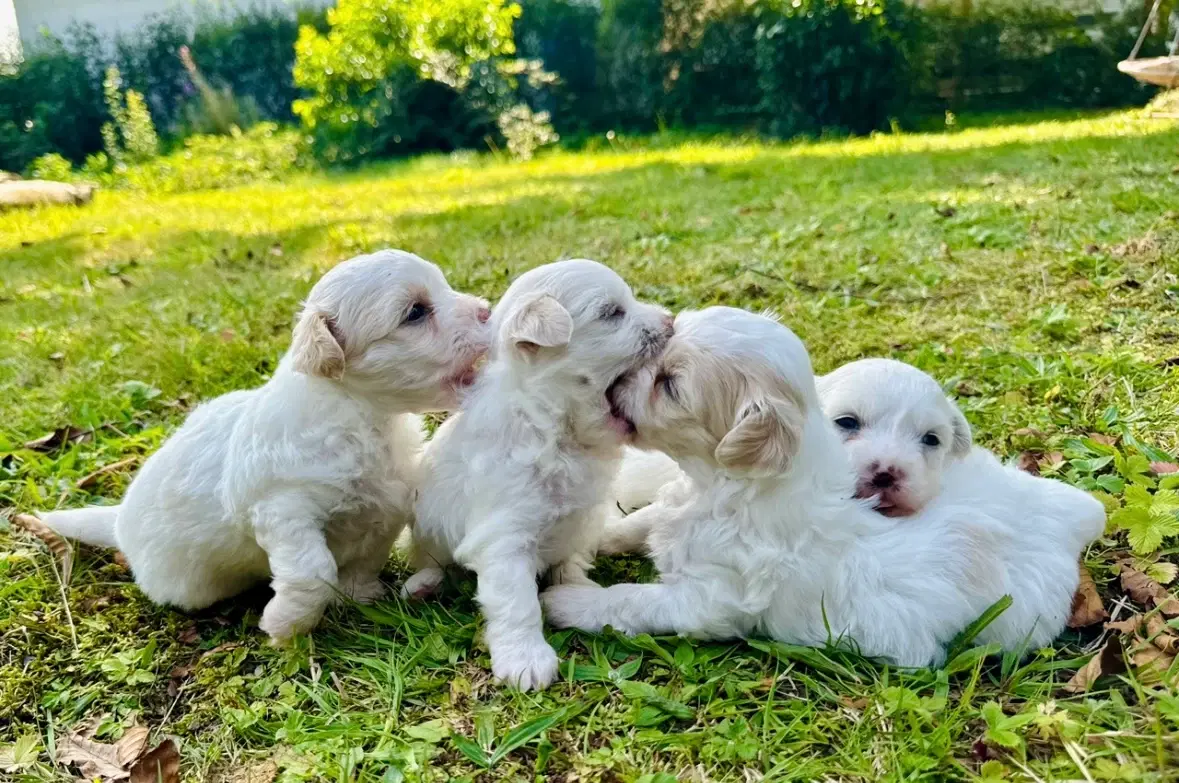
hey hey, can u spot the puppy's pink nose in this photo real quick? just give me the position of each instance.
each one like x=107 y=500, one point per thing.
x=483 y=314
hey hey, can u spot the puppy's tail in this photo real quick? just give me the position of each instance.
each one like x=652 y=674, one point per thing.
x=94 y=525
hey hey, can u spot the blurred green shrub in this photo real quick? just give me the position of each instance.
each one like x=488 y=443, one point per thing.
x=390 y=74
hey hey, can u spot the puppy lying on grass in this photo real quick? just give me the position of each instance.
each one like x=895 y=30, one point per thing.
x=763 y=534
x=516 y=482
x=910 y=450
x=308 y=479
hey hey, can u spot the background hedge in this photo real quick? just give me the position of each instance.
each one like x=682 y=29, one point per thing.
x=781 y=67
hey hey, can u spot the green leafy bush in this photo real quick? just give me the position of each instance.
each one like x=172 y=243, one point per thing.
x=829 y=64
x=50 y=166
x=390 y=72
x=130 y=136
x=562 y=35
x=263 y=153
x=53 y=103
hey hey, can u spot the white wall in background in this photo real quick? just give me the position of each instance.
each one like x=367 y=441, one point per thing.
x=110 y=16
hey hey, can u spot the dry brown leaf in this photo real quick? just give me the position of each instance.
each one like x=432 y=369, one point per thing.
x=94 y=759
x=1151 y=664
x=1108 y=660
x=52 y=441
x=1029 y=462
x=189 y=635
x=91 y=478
x=1029 y=432
x=262 y=772
x=1161 y=635
x=1087 y=607
x=160 y=765
x=221 y=648
x=1146 y=591
x=1127 y=626
x=131 y=745
x=1164 y=468
x=57 y=545
x=1108 y=440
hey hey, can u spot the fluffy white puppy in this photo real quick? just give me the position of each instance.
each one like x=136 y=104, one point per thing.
x=517 y=482
x=308 y=479
x=910 y=448
x=765 y=534
x=899 y=428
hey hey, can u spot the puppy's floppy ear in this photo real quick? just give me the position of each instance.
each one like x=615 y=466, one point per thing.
x=539 y=322
x=963 y=438
x=318 y=348
x=764 y=439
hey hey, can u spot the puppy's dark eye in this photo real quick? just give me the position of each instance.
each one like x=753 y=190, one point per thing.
x=849 y=423
x=612 y=312
x=931 y=439
x=417 y=313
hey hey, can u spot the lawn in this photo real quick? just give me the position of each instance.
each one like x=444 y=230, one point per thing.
x=1031 y=266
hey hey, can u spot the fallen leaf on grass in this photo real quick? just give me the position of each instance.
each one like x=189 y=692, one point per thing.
x=1164 y=468
x=59 y=437
x=160 y=765
x=189 y=635
x=1087 y=607
x=221 y=648
x=1108 y=660
x=99 y=759
x=1146 y=591
x=262 y=772
x=90 y=478
x=1162 y=635
x=1029 y=462
x=1151 y=664
x=57 y=545
x=1108 y=440
x=1127 y=626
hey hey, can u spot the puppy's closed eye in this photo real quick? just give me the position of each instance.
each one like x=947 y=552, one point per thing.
x=665 y=383
x=612 y=312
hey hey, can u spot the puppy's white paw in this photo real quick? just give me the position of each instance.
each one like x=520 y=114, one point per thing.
x=423 y=584
x=573 y=606
x=527 y=667
x=363 y=590
x=283 y=619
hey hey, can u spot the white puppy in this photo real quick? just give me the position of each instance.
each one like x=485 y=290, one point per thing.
x=910 y=448
x=899 y=428
x=764 y=535
x=516 y=483
x=309 y=478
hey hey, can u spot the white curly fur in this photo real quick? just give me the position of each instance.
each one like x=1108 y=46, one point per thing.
x=763 y=534
x=515 y=483
x=308 y=479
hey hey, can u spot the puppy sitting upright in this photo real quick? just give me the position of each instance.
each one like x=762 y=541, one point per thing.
x=309 y=478
x=899 y=428
x=516 y=482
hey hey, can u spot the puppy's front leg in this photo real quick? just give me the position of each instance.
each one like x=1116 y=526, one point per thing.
x=302 y=567
x=693 y=607
x=520 y=656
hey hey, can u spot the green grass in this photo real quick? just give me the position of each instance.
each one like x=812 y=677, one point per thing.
x=1030 y=266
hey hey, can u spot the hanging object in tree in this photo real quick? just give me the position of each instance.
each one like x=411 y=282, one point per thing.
x=1160 y=71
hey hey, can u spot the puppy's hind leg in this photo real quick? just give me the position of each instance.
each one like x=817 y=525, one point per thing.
x=303 y=568
x=360 y=577
x=428 y=561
